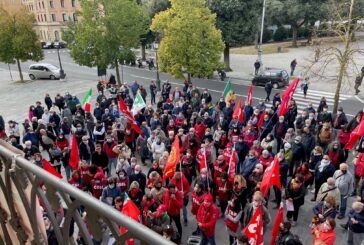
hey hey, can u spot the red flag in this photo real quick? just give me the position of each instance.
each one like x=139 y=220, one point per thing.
x=254 y=230
x=250 y=95
x=74 y=157
x=260 y=121
x=238 y=112
x=50 y=169
x=232 y=164
x=131 y=210
x=271 y=177
x=134 y=126
x=277 y=222
x=122 y=105
x=355 y=135
x=173 y=159
x=287 y=96
x=201 y=158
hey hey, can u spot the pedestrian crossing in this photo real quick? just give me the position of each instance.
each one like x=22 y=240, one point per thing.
x=313 y=96
x=55 y=51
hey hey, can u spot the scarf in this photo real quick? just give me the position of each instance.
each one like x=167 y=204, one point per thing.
x=323 y=164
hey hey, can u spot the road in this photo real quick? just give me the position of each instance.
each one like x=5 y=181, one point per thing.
x=79 y=79
x=74 y=72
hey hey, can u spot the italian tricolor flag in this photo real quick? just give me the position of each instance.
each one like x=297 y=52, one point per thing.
x=86 y=101
x=226 y=91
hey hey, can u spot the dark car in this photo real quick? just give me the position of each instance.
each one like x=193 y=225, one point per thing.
x=60 y=45
x=278 y=77
x=48 y=45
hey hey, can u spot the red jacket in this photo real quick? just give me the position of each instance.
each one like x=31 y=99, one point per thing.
x=75 y=183
x=343 y=137
x=62 y=144
x=328 y=238
x=108 y=149
x=196 y=202
x=218 y=169
x=122 y=184
x=227 y=155
x=178 y=184
x=265 y=161
x=208 y=217
x=97 y=185
x=129 y=137
x=200 y=129
x=223 y=189
x=173 y=205
x=359 y=169
x=248 y=139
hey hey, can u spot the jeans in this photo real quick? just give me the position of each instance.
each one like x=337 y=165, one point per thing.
x=206 y=240
x=68 y=170
x=343 y=202
x=184 y=212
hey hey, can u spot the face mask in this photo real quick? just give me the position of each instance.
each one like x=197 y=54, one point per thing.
x=255 y=203
x=111 y=186
x=79 y=129
x=137 y=171
x=281 y=121
x=325 y=227
x=240 y=141
x=235 y=130
x=335 y=147
x=325 y=110
x=109 y=140
x=344 y=171
x=339 y=112
x=29 y=146
x=203 y=176
x=195 y=189
x=121 y=176
x=310 y=118
x=296 y=141
x=60 y=137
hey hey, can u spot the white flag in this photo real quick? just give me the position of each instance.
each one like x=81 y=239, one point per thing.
x=138 y=104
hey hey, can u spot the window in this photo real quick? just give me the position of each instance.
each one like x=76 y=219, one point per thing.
x=43 y=5
x=73 y=2
x=75 y=17
x=51 y=4
x=41 y=18
x=53 y=16
x=45 y=18
x=62 y=3
x=64 y=16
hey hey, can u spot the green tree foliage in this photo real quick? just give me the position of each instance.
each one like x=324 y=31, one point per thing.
x=191 y=43
x=267 y=35
x=106 y=32
x=18 y=40
x=280 y=34
x=239 y=22
x=296 y=13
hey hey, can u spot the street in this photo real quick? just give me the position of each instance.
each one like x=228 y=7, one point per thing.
x=16 y=98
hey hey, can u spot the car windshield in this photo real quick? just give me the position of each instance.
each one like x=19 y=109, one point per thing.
x=52 y=67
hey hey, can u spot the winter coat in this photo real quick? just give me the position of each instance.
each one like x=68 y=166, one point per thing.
x=208 y=217
x=298 y=195
x=197 y=200
x=100 y=160
x=327 y=172
x=357 y=228
x=326 y=191
x=359 y=168
x=86 y=150
x=250 y=212
x=173 y=205
x=326 y=237
x=308 y=142
x=157 y=150
x=247 y=167
x=320 y=208
x=298 y=152
x=140 y=178
x=283 y=171
x=110 y=193
x=232 y=219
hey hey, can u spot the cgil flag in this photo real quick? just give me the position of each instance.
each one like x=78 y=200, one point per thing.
x=287 y=96
x=277 y=222
x=201 y=158
x=173 y=159
x=271 y=177
x=249 y=99
x=86 y=101
x=238 y=112
x=355 y=135
x=138 y=104
x=130 y=210
x=74 y=157
x=232 y=165
x=50 y=169
x=254 y=229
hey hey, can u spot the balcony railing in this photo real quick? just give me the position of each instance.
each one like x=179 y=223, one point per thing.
x=23 y=186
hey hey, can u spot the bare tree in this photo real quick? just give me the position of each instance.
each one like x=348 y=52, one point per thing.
x=344 y=23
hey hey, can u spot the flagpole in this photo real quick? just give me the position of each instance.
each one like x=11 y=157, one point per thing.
x=231 y=159
x=180 y=169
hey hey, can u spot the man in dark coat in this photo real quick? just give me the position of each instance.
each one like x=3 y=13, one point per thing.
x=268 y=89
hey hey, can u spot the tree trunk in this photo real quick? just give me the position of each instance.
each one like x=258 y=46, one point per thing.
x=20 y=71
x=338 y=86
x=227 y=57
x=189 y=77
x=294 y=36
x=117 y=73
x=143 y=52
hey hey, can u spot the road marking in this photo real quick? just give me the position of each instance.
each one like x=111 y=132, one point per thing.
x=357 y=97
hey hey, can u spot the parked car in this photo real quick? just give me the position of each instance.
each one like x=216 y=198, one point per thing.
x=59 y=45
x=48 y=45
x=278 y=77
x=42 y=70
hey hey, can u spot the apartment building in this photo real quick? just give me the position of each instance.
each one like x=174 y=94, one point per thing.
x=52 y=16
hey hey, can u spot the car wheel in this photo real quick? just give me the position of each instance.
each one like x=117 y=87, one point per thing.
x=52 y=77
x=32 y=77
x=275 y=85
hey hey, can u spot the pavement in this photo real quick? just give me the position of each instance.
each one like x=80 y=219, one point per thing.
x=16 y=97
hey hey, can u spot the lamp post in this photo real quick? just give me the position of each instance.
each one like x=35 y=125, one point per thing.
x=261 y=36
x=155 y=47
x=61 y=71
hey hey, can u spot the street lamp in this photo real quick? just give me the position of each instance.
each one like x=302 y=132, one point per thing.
x=61 y=72
x=261 y=36
x=155 y=47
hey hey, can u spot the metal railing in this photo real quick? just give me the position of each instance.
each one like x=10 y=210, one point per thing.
x=23 y=186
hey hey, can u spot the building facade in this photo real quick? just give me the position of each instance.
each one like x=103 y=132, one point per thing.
x=52 y=16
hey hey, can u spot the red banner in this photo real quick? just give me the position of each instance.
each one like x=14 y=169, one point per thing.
x=173 y=159
x=250 y=95
x=355 y=135
x=74 y=157
x=277 y=222
x=287 y=96
x=271 y=177
x=254 y=230
x=238 y=112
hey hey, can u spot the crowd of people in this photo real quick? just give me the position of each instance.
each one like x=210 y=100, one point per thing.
x=116 y=161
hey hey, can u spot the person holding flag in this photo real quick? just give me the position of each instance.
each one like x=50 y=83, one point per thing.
x=207 y=215
x=257 y=201
x=86 y=102
x=173 y=199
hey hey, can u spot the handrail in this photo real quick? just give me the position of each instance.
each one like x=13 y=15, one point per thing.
x=10 y=157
